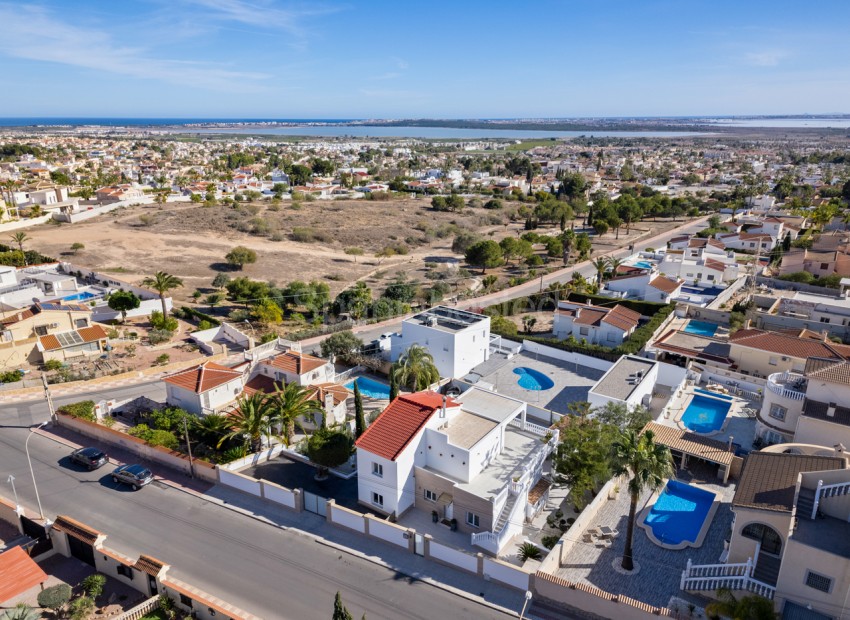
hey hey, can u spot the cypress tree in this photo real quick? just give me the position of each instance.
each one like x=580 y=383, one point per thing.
x=359 y=419
x=393 y=387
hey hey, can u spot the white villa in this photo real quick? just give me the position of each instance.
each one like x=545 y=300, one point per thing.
x=595 y=324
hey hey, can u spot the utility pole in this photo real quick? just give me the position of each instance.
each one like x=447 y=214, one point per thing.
x=11 y=480
x=189 y=448
x=48 y=398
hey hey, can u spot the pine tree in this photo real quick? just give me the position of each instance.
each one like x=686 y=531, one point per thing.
x=359 y=419
x=340 y=612
x=393 y=387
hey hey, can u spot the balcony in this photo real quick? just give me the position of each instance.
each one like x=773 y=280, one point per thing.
x=789 y=385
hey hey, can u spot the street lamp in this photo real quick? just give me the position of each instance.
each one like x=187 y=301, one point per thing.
x=11 y=480
x=525 y=604
x=27 y=450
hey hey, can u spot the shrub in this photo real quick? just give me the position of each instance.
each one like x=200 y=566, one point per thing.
x=162 y=438
x=93 y=585
x=241 y=256
x=52 y=365
x=55 y=597
x=82 y=607
x=529 y=551
x=158 y=336
x=83 y=409
x=158 y=321
x=10 y=376
x=550 y=541
x=162 y=360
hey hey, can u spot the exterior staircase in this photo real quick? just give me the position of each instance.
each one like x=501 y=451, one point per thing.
x=505 y=515
x=767 y=569
x=805 y=503
x=824 y=491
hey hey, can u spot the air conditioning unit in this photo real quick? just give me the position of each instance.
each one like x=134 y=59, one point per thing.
x=784 y=359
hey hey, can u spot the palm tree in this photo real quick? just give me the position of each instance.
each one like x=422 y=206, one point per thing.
x=162 y=282
x=211 y=427
x=19 y=238
x=416 y=369
x=614 y=264
x=601 y=265
x=648 y=464
x=750 y=607
x=287 y=405
x=21 y=611
x=568 y=239
x=251 y=418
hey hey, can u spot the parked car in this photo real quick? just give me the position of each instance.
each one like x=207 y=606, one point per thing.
x=89 y=457
x=136 y=476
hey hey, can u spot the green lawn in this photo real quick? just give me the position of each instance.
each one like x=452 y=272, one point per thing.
x=530 y=144
x=155 y=615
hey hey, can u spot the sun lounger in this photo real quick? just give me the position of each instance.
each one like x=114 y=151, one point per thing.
x=608 y=532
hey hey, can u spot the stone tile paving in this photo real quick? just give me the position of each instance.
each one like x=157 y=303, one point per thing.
x=660 y=572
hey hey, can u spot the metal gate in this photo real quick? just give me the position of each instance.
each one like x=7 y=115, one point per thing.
x=81 y=550
x=37 y=532
x=418 y=544
x=315 y=504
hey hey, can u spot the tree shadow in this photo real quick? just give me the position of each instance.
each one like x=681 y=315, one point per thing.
x=224 y=267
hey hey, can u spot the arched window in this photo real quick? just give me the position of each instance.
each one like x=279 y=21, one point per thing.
x=771 y=541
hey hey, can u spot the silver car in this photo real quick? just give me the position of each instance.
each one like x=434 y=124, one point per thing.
x=136 y=476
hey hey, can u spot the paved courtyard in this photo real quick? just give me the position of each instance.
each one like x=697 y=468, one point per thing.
x=572 y=381
x=658 y=579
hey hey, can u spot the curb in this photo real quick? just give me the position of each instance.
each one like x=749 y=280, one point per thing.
x=314 y=537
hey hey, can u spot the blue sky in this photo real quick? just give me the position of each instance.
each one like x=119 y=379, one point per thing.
x=442 y=59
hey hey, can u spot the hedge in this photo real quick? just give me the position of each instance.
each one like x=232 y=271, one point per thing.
x=83 y=410
x=645 y=308
x=188 y=312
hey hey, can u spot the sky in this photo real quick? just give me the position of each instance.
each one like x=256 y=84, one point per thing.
x=441 y=59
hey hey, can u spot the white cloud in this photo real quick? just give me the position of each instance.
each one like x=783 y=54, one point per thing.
x=261 y=14
x=766 y=58
x=60 y=42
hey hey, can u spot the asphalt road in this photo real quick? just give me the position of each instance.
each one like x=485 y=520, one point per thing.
x=270 y=572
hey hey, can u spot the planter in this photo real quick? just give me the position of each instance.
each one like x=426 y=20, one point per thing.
x=434 y=516
x=454 y=525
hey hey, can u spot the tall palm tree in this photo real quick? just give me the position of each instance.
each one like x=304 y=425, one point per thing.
x=750 y=607
x=162 y=282
x=211 y=428
x=287 y=405
x=416 y=368
x=614 y=264
x=19 y=238
x=568 y=241
x=648 y=464
x=250 y=419
x=601 y=265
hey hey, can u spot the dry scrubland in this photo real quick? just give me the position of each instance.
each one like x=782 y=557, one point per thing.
x=302 y=243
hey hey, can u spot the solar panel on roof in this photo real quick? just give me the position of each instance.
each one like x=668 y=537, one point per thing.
x=69 y=339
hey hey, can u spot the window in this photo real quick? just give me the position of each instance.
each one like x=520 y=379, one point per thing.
x=773 y=361
x=824 y=266
x=41 y=330
x=185 y=600
x=778 y=412
x=377 y=499
x=584 y=331
x=473 y=519
x=81 y=323
x=126 y=571
x=752 y=245
x=824 y=319
x=818 y=582
x=710 y=277
x=771 y=542
x=378 y=470
x=430 y=495
x=612 y=337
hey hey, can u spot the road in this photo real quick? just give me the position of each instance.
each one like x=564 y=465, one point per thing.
x=267 y=571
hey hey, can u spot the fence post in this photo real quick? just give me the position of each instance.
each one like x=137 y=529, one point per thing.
x=480 y=557
x=411 y=540
x=299 y=499
x=427 y=550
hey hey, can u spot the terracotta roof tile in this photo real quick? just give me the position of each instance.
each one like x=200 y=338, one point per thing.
x=51 y=342
x=204 y=377
x=296 y=363
x=538 y=490
x=399 y=423
x=665 y=284
x=834 y=373
x=18 y=573
x=149 y=565
x=74 y=528
x=261 y=383
x=769 y=478
x=791 y=346
x=622 y=318
x=694 y=444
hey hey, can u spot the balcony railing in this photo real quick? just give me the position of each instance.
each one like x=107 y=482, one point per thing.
x=788 y=385
x=711 y=577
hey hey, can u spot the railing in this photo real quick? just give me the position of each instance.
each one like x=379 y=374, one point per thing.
x=499 y=500
x=775 y=383
x=731 y=576
x=141 y=610
x=828 y=490
x=345 y=376
x=533 y=428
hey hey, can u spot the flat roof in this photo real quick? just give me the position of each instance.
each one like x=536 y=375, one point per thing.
x=466 y=429
x=616 y=382
x=489 y=405
x=827 y=534
x=447 y=319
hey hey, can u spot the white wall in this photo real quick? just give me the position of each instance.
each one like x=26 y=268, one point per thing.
x=238 y=481
x=346 y=518
x=453 y=557
x=388 y=532
x=455 y=353
x=566 y=356
x=507 y=574
x=670 y=375
x=278 y=494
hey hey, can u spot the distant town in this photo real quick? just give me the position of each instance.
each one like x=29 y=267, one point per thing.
x=545 y=376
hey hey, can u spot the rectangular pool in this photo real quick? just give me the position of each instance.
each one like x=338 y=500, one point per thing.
x=705 y=414
x=714 y=394
x=700 y=328
x=679 y=513
x=85 y=295
x=370 y=388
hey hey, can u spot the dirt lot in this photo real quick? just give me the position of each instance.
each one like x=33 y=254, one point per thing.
x=190 y=241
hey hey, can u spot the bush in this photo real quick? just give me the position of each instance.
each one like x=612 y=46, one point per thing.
x=83 y=410
x=241 y=256
x=55 y=597
x=158 y=321
x=158 y=336
x=93 y=585
x=162 y=438
x=529 y=551
x=82 y=607
x=10 y=376
x=52 y=365
x=550 y=541
x=162 y=360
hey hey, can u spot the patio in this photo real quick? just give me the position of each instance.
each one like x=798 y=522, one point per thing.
x=658 y=578
x=572 y=381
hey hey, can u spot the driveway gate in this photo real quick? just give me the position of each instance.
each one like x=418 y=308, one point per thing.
x=315 y=504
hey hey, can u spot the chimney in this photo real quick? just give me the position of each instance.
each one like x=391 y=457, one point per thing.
x=729 y=443
x=830 y=410
x=443 y=408
x=824 y=335
x=747 y=323
x=839 y=449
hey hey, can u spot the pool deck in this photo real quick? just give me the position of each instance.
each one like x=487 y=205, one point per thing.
x=572 y=382
x=700 y=537
x=658 y=579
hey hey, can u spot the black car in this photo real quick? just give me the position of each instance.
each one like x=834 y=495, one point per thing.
x=136 y=476
x=89 y=457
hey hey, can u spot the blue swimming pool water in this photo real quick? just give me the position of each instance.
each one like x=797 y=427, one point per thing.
x=531 y=379
x=704 y=414
x=79 y=296
x=700 y=327
x=643 y=264
x=714 y=394
x=708 y=291
x=370 y=387
x=679 y=513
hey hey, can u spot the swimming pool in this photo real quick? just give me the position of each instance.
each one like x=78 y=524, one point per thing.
x=714 y=394
x=643 y=264
x=701 y=328
x=679 y=513
x=370 y=387
x=85 y=295
x=705 y=414
x=534 y=380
